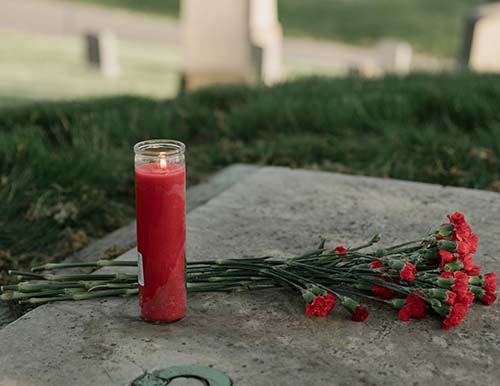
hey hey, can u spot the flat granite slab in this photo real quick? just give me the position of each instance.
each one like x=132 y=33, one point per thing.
x=264 y=338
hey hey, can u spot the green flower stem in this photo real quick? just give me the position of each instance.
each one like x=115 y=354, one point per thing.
x=76 y=277
x=28 y=275
x=39 y=301
x=94 y=277
x=397 y=246
x=15 y=295
x=375 y=239
x=31 y=287
x=95 y=264
x=112 y=286
x=82 y=296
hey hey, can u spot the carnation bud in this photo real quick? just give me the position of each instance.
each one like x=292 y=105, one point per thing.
x=438 y=293
x=447 y=245
x=316 y=290
x=455 y=265
x=397 y=265
x=426 y=276
x=397 y=303
x=444 y=282
x=308 y=296
x=349 y=303
x=431 y=254
x=476 y=280
x=446 y=230
x=441 y=308
x=380 y=252
x=363 y=286
x=477 y=291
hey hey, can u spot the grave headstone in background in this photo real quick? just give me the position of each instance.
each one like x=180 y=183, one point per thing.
x=230 y=41
x=102 y=52
x=395 y=56
x=481 y=50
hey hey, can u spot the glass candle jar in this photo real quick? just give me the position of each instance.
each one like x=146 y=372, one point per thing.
x=160 y=185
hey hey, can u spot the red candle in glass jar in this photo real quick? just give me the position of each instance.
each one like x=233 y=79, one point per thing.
x=160 y=183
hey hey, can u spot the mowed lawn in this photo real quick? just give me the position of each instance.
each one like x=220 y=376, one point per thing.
x=36 y=67
x=432 y=26
x=66 y=167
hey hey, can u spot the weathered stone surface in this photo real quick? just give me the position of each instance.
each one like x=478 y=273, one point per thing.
x=263 y=338
x=124 y=238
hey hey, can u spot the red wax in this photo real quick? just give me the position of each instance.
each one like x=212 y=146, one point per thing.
x=161 y=235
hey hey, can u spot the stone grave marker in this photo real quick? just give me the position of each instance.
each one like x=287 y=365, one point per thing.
x=395 y=56
x=102 y=52
x=230 y=41
x=481 y=49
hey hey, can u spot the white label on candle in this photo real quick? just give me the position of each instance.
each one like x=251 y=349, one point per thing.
x=140 y=271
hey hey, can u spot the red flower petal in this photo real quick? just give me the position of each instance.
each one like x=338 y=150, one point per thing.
x=360 y=314
x=408 y=272
x=489 y=298
x=376 y=264
x=382 y=292
x=341 y=251
x=490 y=282
x=455 y=316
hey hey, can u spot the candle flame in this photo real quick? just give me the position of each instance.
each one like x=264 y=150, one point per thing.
x=163 y=163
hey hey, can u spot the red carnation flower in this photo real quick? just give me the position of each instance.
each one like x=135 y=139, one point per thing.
x=461 y=286
x=405 y=314
x=417 y=304
x=408 y=272
x=469 y=298
x=463 y=248
x=446 y=257
x=462 y=228
x=490 y=282
x=331 y=298
x=446 y=275
x=474 y=271
x=382 y=292
x=473 y=242
x=489 y=298
x=341 y=251
x=321 y=305
x=376 y=264
x=360 y=314
x=414 y=307
x=451 y=297
x=455 y=316
x=467 y=261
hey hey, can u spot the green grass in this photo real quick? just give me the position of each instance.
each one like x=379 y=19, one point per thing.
x=434 y=26
x=66 y=168
x=53 y=68
x=39 y=67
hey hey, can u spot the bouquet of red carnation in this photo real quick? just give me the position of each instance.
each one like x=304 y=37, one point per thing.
x=435 y=273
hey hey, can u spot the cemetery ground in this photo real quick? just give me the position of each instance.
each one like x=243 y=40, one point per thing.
x=430 y=26
x=66 y=172
x=63 y=73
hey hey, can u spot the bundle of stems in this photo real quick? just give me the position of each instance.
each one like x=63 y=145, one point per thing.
x=426 y=272
x=40 y=286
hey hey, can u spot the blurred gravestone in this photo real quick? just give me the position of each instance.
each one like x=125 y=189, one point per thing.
x=102 y=53
x=395 y=56
x=231 y=41
x=481 y=50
